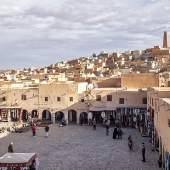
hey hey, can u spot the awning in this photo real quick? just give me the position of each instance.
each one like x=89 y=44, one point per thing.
x=10 y=107
x=17 y=159
x=131 y=107
x=101 y=109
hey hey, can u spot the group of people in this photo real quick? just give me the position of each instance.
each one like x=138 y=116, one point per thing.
x=106 y=125
x=33 y=129
x=117 y=133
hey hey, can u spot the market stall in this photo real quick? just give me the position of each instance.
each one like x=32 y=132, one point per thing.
x=17 y=161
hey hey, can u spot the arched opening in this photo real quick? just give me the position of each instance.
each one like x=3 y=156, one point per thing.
x=34 y=114
x=24 y=115
x=59 y=116
x=84 y=116
x=14 y=115
x=46 y=116
x=72 y=116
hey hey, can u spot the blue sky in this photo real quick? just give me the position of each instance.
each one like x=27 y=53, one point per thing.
x=40 y=32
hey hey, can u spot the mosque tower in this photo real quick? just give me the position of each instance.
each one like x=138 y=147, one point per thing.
x=165 y=40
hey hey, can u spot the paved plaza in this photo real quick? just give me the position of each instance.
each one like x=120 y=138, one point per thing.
x=76 y=147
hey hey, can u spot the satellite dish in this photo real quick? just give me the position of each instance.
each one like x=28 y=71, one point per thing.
x=118 y=84
x=101 y=75
x=95 y=85
x=90 y=86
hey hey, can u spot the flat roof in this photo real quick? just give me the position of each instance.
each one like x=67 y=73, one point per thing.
x=166 y=100
x=161 y=88
x=119 y=89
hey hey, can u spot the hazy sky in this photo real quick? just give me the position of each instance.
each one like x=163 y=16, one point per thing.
x=41 y=32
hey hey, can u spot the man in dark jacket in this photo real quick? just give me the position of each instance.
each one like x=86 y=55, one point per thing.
x=10 y=147
x=46 y=131
x=143 y=152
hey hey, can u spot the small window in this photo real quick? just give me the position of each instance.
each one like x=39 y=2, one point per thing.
x=58 y=99
x=109 y=97
x=156 y=106
x=144 y=100
x=4 y=99
x=71 y=99
x=121 y=100
x=98 y=98
x=23 y=97
x=46 y=99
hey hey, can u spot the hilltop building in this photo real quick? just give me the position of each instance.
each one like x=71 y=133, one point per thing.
x=119 y=86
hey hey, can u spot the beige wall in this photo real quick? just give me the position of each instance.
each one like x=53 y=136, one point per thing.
x=13 y=98
x=142 y=80
x=131 y=98
x=107 y=82
x=161 y=123
x=159 y=100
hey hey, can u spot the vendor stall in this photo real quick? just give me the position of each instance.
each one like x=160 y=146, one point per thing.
x=17 y=161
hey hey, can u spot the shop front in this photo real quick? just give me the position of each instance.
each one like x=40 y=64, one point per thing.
x=10 y=114
x=132 y=117
x=100 y=114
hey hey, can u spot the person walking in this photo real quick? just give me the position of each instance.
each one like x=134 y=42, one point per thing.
x=81 y=120
x=10 y=148
x=143 y=152
x=115 y=132
x=46 y=131
x=33 y=128
x=130 y=144
x=94 y=124
x=120 y=133
x=160 y=161
x=107 y=127
x=37 y=163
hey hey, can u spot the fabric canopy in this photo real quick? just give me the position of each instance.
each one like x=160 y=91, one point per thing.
x=17 y=159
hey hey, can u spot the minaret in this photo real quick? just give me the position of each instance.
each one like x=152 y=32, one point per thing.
x=165 y=40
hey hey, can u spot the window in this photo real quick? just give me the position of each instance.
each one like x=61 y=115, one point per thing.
x=71 y=99
x=58 y=99
x=144 y=100
x=156 y=106
x=4 y=99
x=46 y=99
x=121 y=100
x=98 y=98
x=152 y=102
x=23 y=97
x=109 y=97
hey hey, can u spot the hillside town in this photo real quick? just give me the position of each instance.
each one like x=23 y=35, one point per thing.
x=131 y=87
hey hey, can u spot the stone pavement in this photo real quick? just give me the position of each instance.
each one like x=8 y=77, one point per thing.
x=76 y=147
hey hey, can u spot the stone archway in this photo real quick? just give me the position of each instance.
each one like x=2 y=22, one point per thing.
x=72 y=116
x=58 y=116
x=46 y=116
x=34 y=114
x=24 y=115
x=14 y=115
x=85 y=117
